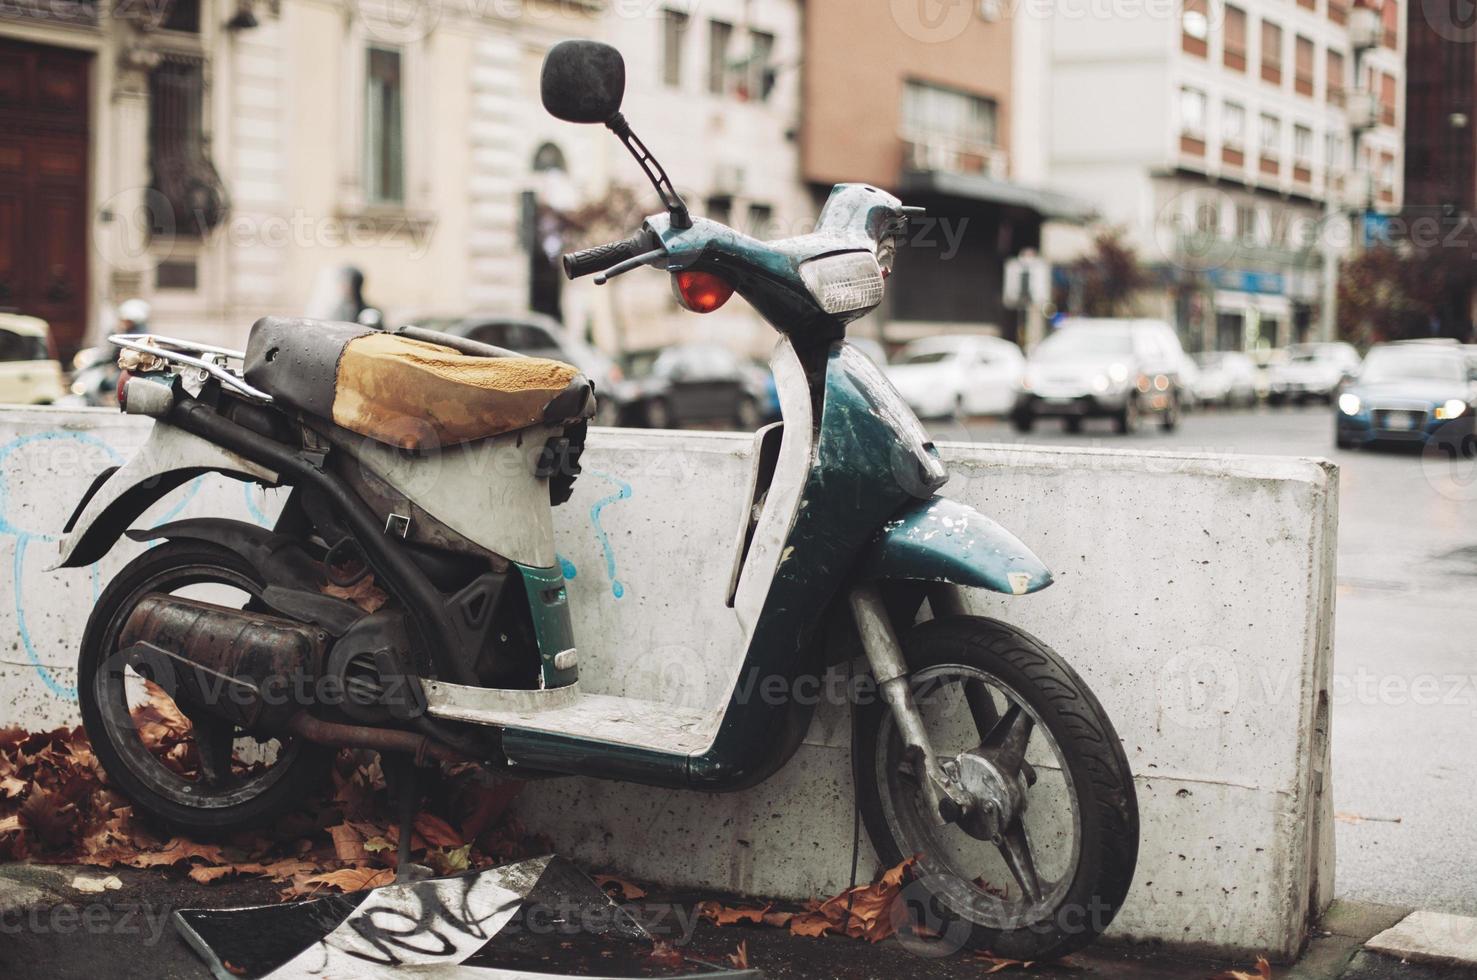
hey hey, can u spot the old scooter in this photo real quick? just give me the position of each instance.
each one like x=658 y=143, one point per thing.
x=431 y=463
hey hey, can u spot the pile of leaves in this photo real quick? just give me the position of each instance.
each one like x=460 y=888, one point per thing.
x=57 y=807
x=864 y=912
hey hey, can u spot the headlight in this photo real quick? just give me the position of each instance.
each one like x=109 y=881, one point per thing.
x=848 y=283
x=1451 y=409
x=1100 y=383
x=1349 y=403
x=1119 y=373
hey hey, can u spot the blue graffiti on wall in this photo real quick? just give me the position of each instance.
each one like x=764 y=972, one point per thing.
x=623 y=492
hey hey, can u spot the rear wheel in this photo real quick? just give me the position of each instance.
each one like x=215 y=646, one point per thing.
x=659 y=415
x=1022 y=420
x=1170 y=420
x=176 y=763
x=1072 y=424
x=1049 y=878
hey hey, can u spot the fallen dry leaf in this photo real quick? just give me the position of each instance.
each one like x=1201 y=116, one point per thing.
x=739 y=958
x=11 y=824
x=1357 y=818
x=1263 y=972
x=348 y=846
x=998 y=963
x=620 y=888
x=436 y=832
x=665 y=954
x=724 y=915
x=344 y=880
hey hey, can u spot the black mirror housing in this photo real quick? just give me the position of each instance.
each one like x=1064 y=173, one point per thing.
x=583 y=81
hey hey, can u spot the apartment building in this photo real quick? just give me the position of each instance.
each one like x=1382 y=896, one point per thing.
x=1233 y=140
x=924 y=106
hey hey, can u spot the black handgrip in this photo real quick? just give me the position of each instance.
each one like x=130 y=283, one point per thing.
x=602 y=257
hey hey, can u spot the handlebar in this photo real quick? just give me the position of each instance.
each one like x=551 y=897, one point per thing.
x=601 y=257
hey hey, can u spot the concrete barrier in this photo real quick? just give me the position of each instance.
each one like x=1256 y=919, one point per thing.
x=1194 y=594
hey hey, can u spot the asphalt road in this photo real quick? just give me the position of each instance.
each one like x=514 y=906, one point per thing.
x=1405 y=659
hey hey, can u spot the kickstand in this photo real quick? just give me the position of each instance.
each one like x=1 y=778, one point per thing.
x=402 y=776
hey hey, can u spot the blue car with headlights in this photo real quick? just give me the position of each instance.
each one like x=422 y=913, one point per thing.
x=1412 y=393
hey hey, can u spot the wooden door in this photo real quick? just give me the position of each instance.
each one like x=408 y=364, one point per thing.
x=43 y=187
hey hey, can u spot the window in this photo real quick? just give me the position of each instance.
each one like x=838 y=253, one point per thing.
x=1335 y=150
x=1387 y=99
x=948 y=130
x=1390 y=18
x=759 y=73
x=384 y=140
x=674 y=36
x=1192 y=112
x=720 y=36
x=1235 y=28
x=1336 y=78
x=1271 y=136
x=1246 y=230
x=1302 y=145
x=1195 y=27
x=1233 y=125
x=181 y=170
x=1387 y=172
x=720 y=208
x=761 y=221
x=183 y=16
x=1303 y=66
x=1271 y=53
x=1208 y=216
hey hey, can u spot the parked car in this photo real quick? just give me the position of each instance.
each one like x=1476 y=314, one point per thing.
x=697 y=383
x=1312 y=371
x=1103 y=368
x=1410 y=393
x=966 y=375
x=541 y=336
x=1189 y=372
x=29 y=373
x=1227 y=377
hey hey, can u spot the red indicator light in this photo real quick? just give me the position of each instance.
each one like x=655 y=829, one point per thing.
x=700 y=292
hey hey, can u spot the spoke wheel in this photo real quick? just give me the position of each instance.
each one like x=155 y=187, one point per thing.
x=177 y=762
x=1042 y=868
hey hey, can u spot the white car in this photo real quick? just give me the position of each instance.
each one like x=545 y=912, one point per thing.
x=958 y=376
x=1313 y=371
x=1227 y=377
x=29 y=374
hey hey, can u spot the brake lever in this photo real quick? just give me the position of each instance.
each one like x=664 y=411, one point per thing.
x=621 y=268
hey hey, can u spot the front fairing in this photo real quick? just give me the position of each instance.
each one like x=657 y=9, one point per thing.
x=856 y=217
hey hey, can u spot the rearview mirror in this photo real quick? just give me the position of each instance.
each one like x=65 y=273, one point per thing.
x=583 y=81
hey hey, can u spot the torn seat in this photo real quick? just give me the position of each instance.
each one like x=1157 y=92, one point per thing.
x=412 y=391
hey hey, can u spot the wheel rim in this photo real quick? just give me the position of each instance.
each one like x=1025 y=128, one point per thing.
x=973 y=876
x=114 y=684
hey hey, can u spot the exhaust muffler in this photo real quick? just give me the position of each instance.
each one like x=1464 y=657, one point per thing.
x=253 y=669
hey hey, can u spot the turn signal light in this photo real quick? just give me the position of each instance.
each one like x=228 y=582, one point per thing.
x=700 y=292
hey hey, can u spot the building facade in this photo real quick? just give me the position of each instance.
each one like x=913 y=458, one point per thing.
x=1233 y=141
x=924 y=106
x=226 y=159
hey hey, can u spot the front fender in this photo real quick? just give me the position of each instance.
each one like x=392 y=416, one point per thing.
x=942 y=540
x=169 y=458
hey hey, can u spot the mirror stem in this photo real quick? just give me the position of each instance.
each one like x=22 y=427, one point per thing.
x=675 y=207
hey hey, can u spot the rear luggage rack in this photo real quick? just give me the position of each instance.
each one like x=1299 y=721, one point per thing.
x=207 y=358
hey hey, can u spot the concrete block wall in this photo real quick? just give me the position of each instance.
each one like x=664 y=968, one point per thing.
x=1194 y=594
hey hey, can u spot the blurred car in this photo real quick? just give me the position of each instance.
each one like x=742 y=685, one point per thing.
x=29 y=374
x=968 y=375
x=1189 y=372
x=1103 y=368
x=1410 y=393
x=1312 y=371
x=1470 y=352
x=871 y=348
x=1226 y=378
x=697 y=383
x=541 y=336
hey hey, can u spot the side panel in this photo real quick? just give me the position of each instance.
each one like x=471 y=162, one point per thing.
x=169 y=458
x=940 y=540
x=485 y=490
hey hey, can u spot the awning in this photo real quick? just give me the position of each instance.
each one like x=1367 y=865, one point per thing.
x=1051 y=205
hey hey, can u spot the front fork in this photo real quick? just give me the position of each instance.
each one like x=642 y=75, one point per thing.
x=948 y=801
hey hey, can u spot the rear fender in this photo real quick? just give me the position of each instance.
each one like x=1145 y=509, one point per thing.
x=168 y=459
x=941 y=540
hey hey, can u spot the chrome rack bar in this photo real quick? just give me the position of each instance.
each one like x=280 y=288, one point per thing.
x=137 y=342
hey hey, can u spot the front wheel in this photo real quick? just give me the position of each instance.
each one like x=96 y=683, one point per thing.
x=1043 y=867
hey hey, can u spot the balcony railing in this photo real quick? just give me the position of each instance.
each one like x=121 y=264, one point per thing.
x=944 y=155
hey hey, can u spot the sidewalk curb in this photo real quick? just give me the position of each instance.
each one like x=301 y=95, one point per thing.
x=1341 y=934
x=1434 y=938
